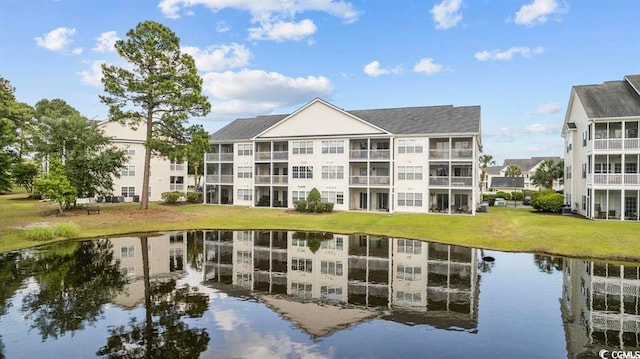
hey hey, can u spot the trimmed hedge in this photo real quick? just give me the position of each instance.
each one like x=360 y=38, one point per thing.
x=194 y=197
x=170 y=197
x=313 y=203
x=547 y=201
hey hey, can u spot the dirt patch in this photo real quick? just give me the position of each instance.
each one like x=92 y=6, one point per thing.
x=117 y=215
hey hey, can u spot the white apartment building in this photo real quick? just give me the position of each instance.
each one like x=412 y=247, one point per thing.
x=496 y=174
x=602 y=149
x=416 y=159
x=165 y=175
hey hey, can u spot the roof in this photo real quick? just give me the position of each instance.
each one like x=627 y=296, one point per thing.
x=399 y=121
x=527 y=164
x=494 y=170
x=611 y=99
x=507 y=182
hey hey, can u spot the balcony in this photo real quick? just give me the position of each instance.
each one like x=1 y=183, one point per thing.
x=616 y=144
x=369 y=180
x=219 y=157
x=226 y=179
x=275 y=179
x=439 y=181
x=464 y=154
x=438 y=154
x=269 y=156
x=461 y=181
x=616 y=179
x=374 y=155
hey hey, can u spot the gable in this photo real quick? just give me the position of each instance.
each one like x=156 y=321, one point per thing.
x=318 y=118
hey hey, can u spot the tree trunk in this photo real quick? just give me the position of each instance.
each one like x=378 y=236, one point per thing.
x=148 y=332
x=195 y=174
x=144 y=204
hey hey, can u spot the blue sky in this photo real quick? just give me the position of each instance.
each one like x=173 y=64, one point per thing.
x=517 y=59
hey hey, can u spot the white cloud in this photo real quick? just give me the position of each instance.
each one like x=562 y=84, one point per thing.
x=538 y=128
x=537 y=12
x=373 y=69
x=447 y=14
x=508 y=54
x=511 y=134
x=253 y=92
x=217 y=58
x=106 y=41
x=260 y=8
x=275 y=19
x=77 y=51
x=546 y=109
x=93 y=76
x=222 y=26
x=282 y=30
x=427 y=66
x=56 y=39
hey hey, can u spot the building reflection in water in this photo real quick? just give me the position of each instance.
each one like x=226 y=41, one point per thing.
x=406 y=281
x=601 y=307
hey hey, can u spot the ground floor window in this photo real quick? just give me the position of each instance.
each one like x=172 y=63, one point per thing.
x=128 y=191
x=245 y=195
x=333 y=197
x=409 y=199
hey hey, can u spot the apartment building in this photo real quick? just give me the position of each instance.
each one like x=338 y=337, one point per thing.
x=417 y=159
x=165 y=175
x=602 y=150
x=496 y=175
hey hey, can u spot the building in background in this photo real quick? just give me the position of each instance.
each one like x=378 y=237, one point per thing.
x=497 y=180
x=602 y=149
x=165 y=175
x=418 y=159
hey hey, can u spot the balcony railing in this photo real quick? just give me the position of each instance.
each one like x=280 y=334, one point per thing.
x=439 y=154
x=275 y=179
x=369 y=154
x=219 y=179
x=461 y=181
x=369 y=180
x=216 y=157
x=358 y=154
x=616 y=179
x=462 y=154
x=380 y=154
x=269 y=155
x=439 y=180
x=616 y=144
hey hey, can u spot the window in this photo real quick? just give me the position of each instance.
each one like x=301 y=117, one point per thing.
x=127 y=252
x=301 y=264
x=407 y=298
x=330 y=293
x=409 y=199
x=331 y=268
x=333 y=146
x=568 y=172
x=584 y=170
x=302 y=290
x=128 y=171
x=334 y=244
x=299 y=195
x=245 y=149
x=584 y=203
x=302 y=171
x=409 y=172
x=333 y=197
x=302 y=147
x=630 y=168
x=245 y=172
x=332 y=172
x=245 y=195
x=127 y=191
x=409 y=273
x=129 y=150
x=409 y=146
x=409 y=246
x=243 y=257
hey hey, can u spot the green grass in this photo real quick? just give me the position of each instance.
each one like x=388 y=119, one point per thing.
x=506 y=229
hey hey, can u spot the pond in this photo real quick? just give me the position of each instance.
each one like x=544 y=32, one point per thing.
x=284 y=294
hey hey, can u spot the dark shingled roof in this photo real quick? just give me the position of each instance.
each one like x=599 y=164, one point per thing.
x=399 y=121
x=526 y=164
x=611 y=99
x=507 y=182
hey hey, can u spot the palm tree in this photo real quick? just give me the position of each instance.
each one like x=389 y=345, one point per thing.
x=547 y=172
x=513 y=171
x=485 y=161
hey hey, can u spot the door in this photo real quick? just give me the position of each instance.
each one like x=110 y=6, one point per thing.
x=363 y=200
x=383 y=202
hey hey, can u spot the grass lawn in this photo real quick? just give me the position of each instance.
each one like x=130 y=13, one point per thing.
x=506 y=229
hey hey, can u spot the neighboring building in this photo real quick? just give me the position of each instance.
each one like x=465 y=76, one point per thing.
x=418 y=159
x=507 y=184
x=496 y=175
x=410 y=281
x=165 y=175
x=602 y=149
x=600 y=307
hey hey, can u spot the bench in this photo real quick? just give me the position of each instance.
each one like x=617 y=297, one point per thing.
x=93 y=208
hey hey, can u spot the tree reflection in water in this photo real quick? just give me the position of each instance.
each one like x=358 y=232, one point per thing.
x=163 y=333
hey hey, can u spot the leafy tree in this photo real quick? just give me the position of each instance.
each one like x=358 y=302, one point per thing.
x=547 y=263
x=11 y=117
x=547 y=173
x=55 y=185
x=485 y=161
x=513 y=171
x=90 y=161
x=197 y=146
x=24 y=174
x=159 y=91
x=74 y=283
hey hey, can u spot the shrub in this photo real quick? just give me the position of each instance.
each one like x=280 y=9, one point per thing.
x=66 y=230
x=194 y=197
x=170 y=197
x=491 y=198
x=502 y=194
x=518 y=196
x=39 y=233
x=314 y=196
x=547 y=201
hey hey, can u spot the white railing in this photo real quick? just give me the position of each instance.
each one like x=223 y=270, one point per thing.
x=263 y=179
x=219 y=179
x=358 y=154
x=379 y=180
x=443 y=154
x=439 y=180
x=461 y=154
x=278 y=179
x=461 y=181
x=616 y=179
x=358 y=180
x=280 y=155
x=215 y=157
x=380 y=154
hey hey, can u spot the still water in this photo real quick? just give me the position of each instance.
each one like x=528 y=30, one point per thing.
x=279 y=294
